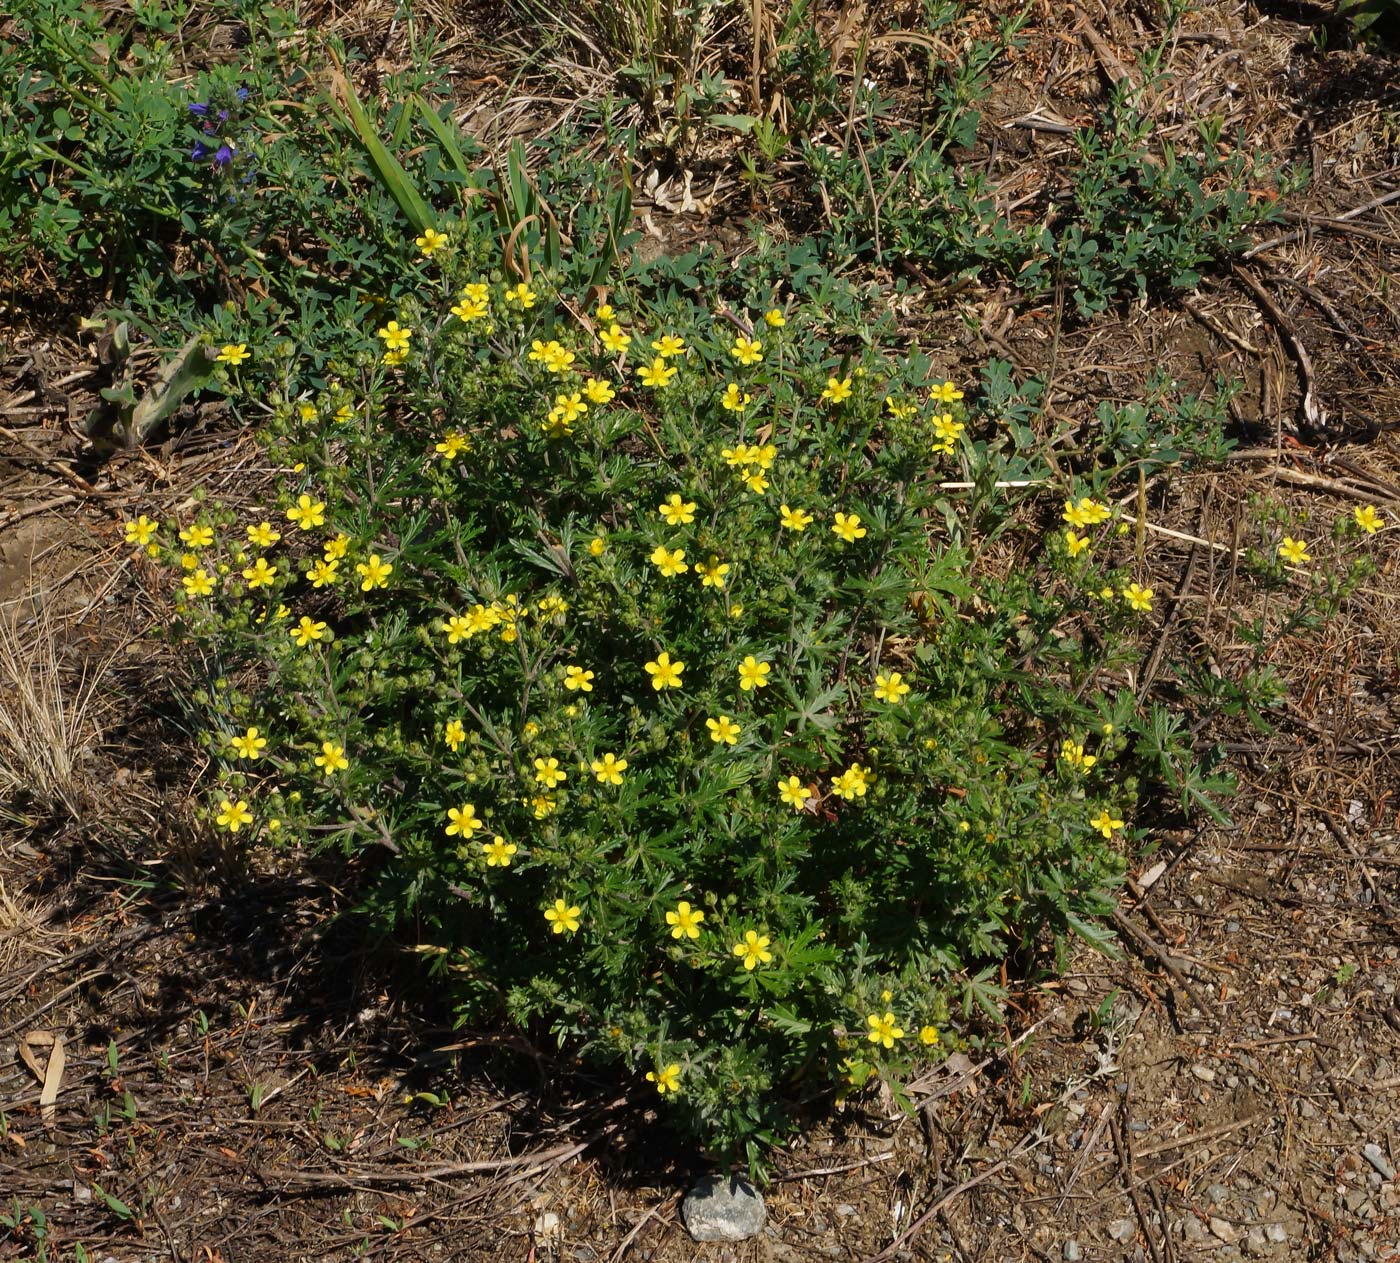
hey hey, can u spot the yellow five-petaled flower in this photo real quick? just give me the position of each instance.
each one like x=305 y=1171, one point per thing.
x=233 y=816
x=753 y=674
x=883 y=1029
x=664 y=673
x=307 y=513
x=1293 y=551
x=332 y=758
x=1138 y=597
x=890 y=688
x=676 y=511
x=752 y=950
x=141 y=531
x=463 y=821
x=609 y=769
x=838 y=389
x=723 y=730
x=563 y=917
x=498 y=852
x=1106 y=822
x=666 y=1078
x=847 y=526
x=1366 y=517
x=685 y=921
x=250 y=745
x=793 y=792
x=374 y=573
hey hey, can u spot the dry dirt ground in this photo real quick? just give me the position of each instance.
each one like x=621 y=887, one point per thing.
x=202 y=1059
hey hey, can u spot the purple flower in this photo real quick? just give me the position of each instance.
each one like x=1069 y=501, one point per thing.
x=223 y=155
x=223 y=116
x=242 y=94
x=199 y=108
x=200 y=150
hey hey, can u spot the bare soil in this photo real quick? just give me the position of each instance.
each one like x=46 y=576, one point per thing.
x=244 y=1076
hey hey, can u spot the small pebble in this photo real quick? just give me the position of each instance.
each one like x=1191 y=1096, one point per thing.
x=1122 y=1230
x=1375 y=1155
x=1276 y=1233
x=1072 y=1252
x=1204 y=1073
x=1222 y=1229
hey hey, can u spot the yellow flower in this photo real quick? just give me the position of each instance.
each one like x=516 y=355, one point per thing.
x=1138 y=597
x=753 y=951
x=1106 y=822
x=1075 y=544
x=395 y=336
x=201 y=583
x=332 y=758
x=1072 y=752
x=667 y=1079
x=899 y=408
x=453 y=444
x=665 y=673
x=262 y=535
x=430 y=242
x=947 y=430
x=233 y=816
x=453 y=733
x=734 y=399
x=676 y=511
x=578 y=678
x=463 y=821
x=657 y=374
x=498 y=852
x=395 y=358
x=559 y=360
x=852 y=783
x=1365 y=517
x=197 y=536
x=548 y=773
x=609 y=769
x=250 y=745
x=260 y=574
x=543 y=806
x=890 y=688
x=685 y=921
x=774 y=319
x=233 y=353
x=837 y=390
x=713 y=572
x=605 y=313
x=344 y=413
x=928 y=1036
x=563 y=918
x=741 y=455
x=307 y=513
x=847 y=526
x=670 y=563
x=188 y=561
x=946 y=393
x=458 y=627
x=374 y=573
x=753 y=674
x=521 y=294
x=324 y=573
x=1074 y=515
x=597 y=546
x=883 y=1030
x=794 y=519
x=599 y=391
x=141 y=531
x=723 y=730
x=668 y=346
x=306 y=631
x=1293 y=551
x=1093 y=511
x=756 y=482
x=616 y=339
x=793 y=792
x=477 y=292
x=466 y=310
x=747 y=350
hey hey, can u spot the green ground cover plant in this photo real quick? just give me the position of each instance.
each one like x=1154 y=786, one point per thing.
x=687 y=713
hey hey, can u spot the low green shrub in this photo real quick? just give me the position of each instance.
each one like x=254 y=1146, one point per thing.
x=680 y=671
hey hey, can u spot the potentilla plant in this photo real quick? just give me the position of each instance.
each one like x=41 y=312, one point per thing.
x=689 y=716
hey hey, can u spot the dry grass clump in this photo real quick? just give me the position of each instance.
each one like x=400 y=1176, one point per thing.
x=46 y=724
